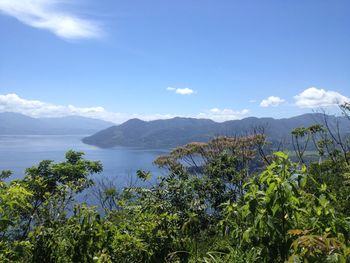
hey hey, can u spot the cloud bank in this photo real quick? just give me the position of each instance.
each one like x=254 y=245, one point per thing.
x=223 y=115
x=36 y=109
x=309 y=98
x=181 y=91
x=271 y=101
x=44 y=14
x=314 y=97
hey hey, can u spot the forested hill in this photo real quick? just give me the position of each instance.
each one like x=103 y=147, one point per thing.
x=18 y=124
x=178 y=131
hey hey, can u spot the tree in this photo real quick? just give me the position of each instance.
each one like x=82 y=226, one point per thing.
x=54 y=187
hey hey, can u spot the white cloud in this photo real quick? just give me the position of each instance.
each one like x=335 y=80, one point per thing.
x=223 y=115
x=313 y=97
x=271 y=101
x=181 y=91
x=44 y=14
x=185 y=91
x=37 y=109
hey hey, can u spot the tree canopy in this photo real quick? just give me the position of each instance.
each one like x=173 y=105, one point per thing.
x=228 y=200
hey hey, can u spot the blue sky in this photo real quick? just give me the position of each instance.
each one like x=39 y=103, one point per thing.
x=223 y=59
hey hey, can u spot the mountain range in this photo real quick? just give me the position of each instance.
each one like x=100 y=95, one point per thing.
x=159 y=133
x=19 y=124
x=178 y=131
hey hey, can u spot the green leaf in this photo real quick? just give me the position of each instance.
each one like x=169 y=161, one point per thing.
x=281 y=155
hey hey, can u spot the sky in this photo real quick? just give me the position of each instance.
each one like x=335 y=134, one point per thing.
x=152 y=59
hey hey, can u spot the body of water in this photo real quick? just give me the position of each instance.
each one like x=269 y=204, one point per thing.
x=119 y=163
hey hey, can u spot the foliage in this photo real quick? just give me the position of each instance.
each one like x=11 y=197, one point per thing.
x=222 y=201
x=277 y=204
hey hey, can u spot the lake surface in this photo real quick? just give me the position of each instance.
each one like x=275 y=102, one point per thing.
x=119 y=163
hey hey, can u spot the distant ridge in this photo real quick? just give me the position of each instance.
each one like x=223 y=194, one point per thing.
x=18 y=124
x=178 y=131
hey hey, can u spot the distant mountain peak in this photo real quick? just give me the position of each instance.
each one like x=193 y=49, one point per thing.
x=135 y=120
x=12 y=123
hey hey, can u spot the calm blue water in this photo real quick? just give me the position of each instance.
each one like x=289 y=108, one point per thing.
x=120 y=163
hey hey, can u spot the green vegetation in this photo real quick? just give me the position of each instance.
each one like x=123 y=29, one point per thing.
x=228 y=200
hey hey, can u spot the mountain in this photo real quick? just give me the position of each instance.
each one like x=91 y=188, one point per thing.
x=178 y=131
x=17 y=124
